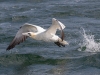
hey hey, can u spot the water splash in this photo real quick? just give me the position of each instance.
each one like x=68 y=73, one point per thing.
x=89 y=44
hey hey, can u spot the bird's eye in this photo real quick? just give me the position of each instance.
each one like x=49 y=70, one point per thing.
x=29 y=34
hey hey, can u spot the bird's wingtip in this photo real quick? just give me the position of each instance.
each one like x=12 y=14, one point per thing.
x=8 y=48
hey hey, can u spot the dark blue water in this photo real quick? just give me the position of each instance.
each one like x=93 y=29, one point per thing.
x=80 y=57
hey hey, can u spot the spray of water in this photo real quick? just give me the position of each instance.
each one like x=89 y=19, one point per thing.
x=89 y=44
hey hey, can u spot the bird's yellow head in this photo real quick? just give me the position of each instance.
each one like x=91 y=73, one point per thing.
x=29 y=34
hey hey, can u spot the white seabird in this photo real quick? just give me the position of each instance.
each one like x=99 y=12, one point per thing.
x=39 y=33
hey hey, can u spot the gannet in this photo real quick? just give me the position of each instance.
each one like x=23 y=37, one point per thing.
x=39 y=33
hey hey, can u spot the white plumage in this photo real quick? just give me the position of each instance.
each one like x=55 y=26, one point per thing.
x=39 y=33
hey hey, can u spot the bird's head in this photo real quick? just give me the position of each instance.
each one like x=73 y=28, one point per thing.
x=29 y=34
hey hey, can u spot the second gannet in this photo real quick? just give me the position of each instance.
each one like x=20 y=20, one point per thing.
x=39 y=33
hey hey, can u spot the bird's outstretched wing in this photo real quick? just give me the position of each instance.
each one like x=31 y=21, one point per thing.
x=56 y=25
x=20 y=38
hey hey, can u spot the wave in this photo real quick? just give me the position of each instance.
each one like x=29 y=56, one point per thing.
x=27 y=59
x=89 y=44
x=20 y=61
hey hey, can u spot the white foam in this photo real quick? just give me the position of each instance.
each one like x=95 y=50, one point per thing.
x=89 y=44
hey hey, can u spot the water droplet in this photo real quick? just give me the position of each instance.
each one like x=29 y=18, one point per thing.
x=89 y=44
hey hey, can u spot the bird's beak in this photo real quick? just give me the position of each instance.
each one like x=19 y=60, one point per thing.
x=54 y=19
x=26 y=34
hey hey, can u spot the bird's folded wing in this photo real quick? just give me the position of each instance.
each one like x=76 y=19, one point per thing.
x=56 y=25
x=20 y=38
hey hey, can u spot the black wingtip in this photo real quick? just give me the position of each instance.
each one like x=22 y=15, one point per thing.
x=9 y=47
x=15 y=42
x=59 y=44
x=62 y=35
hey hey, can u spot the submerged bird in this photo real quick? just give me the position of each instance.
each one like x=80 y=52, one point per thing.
x=39 y=33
